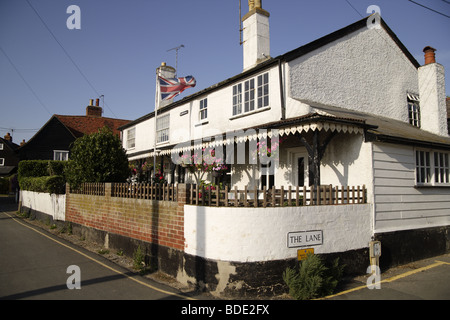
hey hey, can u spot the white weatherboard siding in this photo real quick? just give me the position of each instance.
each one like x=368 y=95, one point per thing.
x=260 y=234
x=399 y=205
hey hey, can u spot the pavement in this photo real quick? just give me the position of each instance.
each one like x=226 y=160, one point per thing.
x=427 y=279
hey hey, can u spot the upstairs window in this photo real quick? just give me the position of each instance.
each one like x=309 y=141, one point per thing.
x=263 y=90
x=162 y=128
x=131 y=138
x=251 y=95
x=1 y=146
x=203 y=109
x=2 y=162
x=60 y=155
x=237 y=99
x=413 y=110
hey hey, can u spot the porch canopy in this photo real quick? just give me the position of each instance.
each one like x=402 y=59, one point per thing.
x=314 y=130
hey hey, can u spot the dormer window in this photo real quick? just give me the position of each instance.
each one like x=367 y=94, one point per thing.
x=413 y=110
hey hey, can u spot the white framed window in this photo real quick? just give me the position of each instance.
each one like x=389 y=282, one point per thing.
x=237 y=99
x=263 y=90
x=414 y=110
x=2 y=162
x=252 y=94
x=441 y=167
x=249 y=95
x=61 y=155
x=432 y=167
x=131 y=138
x=203 y=109
x=162 y=128
x=1 y=146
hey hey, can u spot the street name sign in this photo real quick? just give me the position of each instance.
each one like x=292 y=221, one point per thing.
x=304 y=238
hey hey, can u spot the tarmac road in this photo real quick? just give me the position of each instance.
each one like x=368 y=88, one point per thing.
x=34 y=265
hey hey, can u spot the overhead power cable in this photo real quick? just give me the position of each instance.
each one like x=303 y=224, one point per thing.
x=67 y=54
x=430 y=8
x=26 y=82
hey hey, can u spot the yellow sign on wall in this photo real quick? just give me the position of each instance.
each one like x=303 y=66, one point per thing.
x=302 y=253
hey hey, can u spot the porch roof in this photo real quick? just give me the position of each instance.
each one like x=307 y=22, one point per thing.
x=331 y=119
x=384 y=129
x=309 y=122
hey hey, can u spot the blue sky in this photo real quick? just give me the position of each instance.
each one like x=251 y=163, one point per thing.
x=121 y=43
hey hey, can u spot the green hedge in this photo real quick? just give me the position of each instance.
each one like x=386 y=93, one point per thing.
x=47 y=184
x=42 y=176
x=40 y=168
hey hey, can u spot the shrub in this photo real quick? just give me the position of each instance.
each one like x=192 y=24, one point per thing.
x=97 y=157
x=41 y=168
x=48 y=184
x=312 y=279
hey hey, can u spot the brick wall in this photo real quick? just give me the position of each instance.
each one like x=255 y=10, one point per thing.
x=158 y=222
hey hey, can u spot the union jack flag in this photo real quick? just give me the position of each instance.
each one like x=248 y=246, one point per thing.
x=170 y=87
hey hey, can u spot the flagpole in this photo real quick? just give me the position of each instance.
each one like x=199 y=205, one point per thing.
x=157 y=99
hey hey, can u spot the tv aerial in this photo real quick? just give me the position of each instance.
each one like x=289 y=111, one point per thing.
x=176 y=56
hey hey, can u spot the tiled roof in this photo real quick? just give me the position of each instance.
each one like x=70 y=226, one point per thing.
x=81 y=125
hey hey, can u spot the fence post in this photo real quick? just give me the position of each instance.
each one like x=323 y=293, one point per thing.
x=183 y=191
x=108 y=189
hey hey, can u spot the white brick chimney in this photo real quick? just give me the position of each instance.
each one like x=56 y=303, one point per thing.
x=432 y=95
x=167 y=72
x=256 y=39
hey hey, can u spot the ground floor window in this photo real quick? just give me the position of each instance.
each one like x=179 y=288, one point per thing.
x=432 y=167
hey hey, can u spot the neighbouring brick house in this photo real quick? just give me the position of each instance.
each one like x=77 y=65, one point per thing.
x=53 y=141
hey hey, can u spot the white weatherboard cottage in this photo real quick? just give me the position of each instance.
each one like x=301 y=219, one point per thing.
x=352 y=108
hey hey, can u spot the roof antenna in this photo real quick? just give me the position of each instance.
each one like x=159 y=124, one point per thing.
x=176 y=57
x=240 y=24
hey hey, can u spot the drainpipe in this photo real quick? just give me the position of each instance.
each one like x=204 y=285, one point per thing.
x=283 y=107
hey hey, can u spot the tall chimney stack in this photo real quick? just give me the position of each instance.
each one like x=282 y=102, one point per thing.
x=94 y=111
x=433 y=108
x=8 y=137
x=167 y=72
x=256 y=36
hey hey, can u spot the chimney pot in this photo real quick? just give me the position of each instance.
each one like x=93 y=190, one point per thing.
x=430 y=57
x=97 y=102
x=8 y=137
x=91 y=102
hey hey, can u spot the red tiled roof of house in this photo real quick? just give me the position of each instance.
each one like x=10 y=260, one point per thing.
x=81 y=125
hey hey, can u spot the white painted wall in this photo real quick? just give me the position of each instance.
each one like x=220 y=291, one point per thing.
x=260 y=234
x=220 y=117
x=364 y=71
x=52 y=204
x=399 y=204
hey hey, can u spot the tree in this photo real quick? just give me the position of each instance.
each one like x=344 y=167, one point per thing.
x=97 y=157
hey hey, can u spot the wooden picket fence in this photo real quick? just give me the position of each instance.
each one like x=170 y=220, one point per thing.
x=92 y=188
x=164 y=192
x=292 y=196
x=207 y=196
